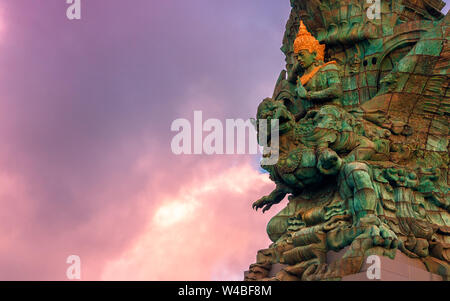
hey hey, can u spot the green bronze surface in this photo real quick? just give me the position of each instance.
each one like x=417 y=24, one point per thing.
x=364 y=152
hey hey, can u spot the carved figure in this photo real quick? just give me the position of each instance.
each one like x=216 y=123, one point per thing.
x=364 y=150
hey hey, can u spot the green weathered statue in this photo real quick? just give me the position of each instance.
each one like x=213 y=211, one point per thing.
x=364 y=150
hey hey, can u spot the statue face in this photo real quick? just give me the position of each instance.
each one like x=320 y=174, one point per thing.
x=306 y=58
x=270 y=109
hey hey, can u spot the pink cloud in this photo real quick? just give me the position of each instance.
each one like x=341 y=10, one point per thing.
x=82 y=102
x=204 y=231
x=37 y=251
x=190 y=221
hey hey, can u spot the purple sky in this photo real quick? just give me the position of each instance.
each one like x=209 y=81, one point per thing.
x=86 y=108
x=83 y=103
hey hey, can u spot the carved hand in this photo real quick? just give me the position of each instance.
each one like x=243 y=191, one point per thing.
x=301 y=91
x=268 y=201
x=329 y=162
x=264 y=202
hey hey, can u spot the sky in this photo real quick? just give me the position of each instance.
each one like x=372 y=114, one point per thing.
x=86 y=108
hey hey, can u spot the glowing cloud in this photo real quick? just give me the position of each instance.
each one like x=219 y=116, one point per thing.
x=206 y=231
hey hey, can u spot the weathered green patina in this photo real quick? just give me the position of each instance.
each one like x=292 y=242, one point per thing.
x=364 y=152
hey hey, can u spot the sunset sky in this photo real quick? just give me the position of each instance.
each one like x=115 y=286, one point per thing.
x=86 y=166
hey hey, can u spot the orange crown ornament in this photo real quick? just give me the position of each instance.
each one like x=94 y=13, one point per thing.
x=305 y=40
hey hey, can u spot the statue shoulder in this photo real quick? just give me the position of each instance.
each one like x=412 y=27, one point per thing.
x=332 y=66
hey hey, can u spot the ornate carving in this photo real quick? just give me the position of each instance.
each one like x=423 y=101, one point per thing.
x=305 y=41
x=364 y=150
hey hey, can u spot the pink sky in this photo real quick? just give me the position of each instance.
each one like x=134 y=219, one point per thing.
x=86 y=165
x=85 y=161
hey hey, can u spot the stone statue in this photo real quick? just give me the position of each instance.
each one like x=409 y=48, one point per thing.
x=320 y=83
x=364 y=150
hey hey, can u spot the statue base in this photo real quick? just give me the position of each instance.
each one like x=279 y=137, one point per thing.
x=402 y=268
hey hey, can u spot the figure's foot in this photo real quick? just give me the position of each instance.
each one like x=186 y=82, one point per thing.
x=380 y=233
x=265 y=203
x=295 y=272
x=283 y=275
x=333 y=271
x=258 y=272
x=329 y=162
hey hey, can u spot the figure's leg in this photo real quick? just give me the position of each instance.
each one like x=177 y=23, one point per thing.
x=364 y=151
x=357 y=179
x=356 y=186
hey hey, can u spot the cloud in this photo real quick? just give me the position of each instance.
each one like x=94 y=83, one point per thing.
x=205 y=231
x=85 y=114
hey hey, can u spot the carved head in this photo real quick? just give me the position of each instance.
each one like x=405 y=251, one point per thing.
x=270 y=109
x=307 y=48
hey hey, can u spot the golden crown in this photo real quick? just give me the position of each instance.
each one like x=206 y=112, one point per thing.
x=305 y=40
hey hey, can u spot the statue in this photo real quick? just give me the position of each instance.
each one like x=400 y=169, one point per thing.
x=320 y=83
x=364 y=146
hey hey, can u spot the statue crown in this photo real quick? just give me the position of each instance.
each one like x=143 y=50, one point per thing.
x=305 y=40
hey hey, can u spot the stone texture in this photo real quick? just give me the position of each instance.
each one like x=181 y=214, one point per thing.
x=402 y=268
x=363 y=135
x=276 y=268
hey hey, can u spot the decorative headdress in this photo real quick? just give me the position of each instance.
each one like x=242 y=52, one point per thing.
x=305 y=40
